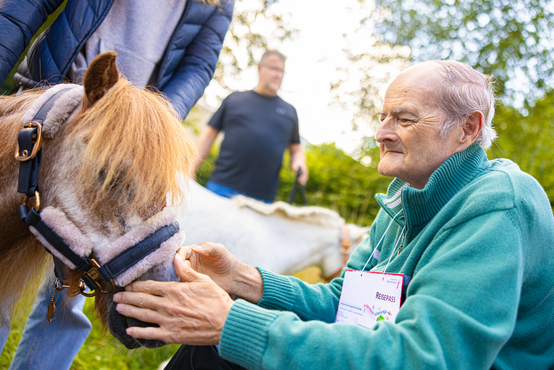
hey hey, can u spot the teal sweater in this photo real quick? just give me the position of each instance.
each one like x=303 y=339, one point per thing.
x=478 y=261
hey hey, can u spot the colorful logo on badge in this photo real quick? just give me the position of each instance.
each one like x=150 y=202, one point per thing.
x=380 y=318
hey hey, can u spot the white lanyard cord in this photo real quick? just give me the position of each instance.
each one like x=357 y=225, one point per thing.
x=385 y=233
x=394 y=250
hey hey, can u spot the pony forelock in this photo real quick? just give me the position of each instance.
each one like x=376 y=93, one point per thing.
x=135 y=148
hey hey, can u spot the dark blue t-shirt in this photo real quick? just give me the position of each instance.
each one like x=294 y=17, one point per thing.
x=257 y=130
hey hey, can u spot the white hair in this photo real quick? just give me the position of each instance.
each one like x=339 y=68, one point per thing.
x=465 y=91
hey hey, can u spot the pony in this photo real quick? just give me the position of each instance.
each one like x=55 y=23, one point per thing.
x=111 y=153
x=278 y=237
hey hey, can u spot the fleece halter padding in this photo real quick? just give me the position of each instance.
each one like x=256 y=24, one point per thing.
x=62 y=110
x=82 y=246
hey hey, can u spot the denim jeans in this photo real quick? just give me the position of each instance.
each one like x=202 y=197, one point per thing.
x=228 y=192
x=50 y=345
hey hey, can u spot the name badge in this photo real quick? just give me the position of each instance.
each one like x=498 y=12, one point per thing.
x=369 y=297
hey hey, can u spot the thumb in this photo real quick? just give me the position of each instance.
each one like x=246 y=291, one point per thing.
x=207 y=249
x=184 y=270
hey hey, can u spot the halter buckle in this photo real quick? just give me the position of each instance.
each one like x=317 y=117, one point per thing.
x=96 y=277
x=37 y=201
x=25 y=156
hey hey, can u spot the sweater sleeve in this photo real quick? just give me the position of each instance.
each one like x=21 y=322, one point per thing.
x=195 y=71
x=460 y=309
x=19 y=21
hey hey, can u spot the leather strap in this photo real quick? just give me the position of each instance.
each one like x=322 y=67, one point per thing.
x=29 y=170
x=32 y=218
x=131 y=256
x=295 y=189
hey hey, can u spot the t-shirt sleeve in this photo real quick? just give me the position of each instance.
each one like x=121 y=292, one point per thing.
x=295 y=136
x=217 y=120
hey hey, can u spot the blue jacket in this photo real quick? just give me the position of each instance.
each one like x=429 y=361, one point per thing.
x=184 y=72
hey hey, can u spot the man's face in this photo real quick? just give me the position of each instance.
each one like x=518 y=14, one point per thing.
x=271 y=72
x=409 y=134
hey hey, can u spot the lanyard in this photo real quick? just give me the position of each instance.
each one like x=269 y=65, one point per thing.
x=383 y=237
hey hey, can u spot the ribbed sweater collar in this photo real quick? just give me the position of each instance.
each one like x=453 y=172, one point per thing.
x=415 y=207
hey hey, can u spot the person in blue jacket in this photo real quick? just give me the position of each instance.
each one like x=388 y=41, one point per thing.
x=172 y=47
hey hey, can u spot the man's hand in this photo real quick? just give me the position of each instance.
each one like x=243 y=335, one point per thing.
x=233 y=276
x=192 y=312
x=298 y=161
x=214 y=260
x=204 y=144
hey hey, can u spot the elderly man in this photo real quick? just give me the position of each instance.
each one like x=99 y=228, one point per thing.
x=468 y=241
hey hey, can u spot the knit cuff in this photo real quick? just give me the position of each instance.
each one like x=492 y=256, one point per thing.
x=245 y=334
x=278 y=293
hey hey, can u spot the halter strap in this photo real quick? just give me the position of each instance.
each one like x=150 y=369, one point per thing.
x=125 y=260
x=28 y=152
x=295 y=189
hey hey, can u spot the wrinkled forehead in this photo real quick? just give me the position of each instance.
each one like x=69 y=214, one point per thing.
x=414 y=88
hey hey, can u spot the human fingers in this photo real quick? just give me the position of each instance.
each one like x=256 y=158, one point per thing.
x=149 y=286
x=142 y=314
x=185 y=271
x=294 y=166
x=214 y=250
x=185 y=251
x=151 y=333
x=140 y=300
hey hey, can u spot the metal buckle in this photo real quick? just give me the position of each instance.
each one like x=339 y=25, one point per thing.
x=37 y=201
x=72 y=291
x=93 y=273
x=25 y=156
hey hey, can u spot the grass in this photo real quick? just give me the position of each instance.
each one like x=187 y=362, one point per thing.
x=103 y=352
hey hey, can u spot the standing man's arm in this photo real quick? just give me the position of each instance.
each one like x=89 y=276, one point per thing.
x=204 y=144
x=298 y=160
x=208 y=135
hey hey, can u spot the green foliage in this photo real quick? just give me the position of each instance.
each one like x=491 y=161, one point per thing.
x=528 y=140
x=101 y=351
x=339 y=182
x=246 y=41
x=510 y=39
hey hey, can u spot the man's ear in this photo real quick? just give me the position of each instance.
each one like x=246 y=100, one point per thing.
x=470 y=130
x=100 y=76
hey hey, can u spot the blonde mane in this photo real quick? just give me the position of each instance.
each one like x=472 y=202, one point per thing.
x=313 y=215
x=135 y=145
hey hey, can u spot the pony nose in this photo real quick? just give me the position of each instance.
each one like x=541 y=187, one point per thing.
x=117 y=323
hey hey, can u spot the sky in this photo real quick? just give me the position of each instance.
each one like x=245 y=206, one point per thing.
x=313 y=57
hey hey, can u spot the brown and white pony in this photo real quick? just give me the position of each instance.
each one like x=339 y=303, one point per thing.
x=108 y=168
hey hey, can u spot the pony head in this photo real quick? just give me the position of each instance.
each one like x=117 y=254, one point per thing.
x=107 y=175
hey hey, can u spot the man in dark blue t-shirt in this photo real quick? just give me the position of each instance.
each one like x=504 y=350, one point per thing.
x=258 y=127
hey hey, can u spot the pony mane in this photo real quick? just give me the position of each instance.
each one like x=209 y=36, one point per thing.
x=135 y=147
x=313 y=215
